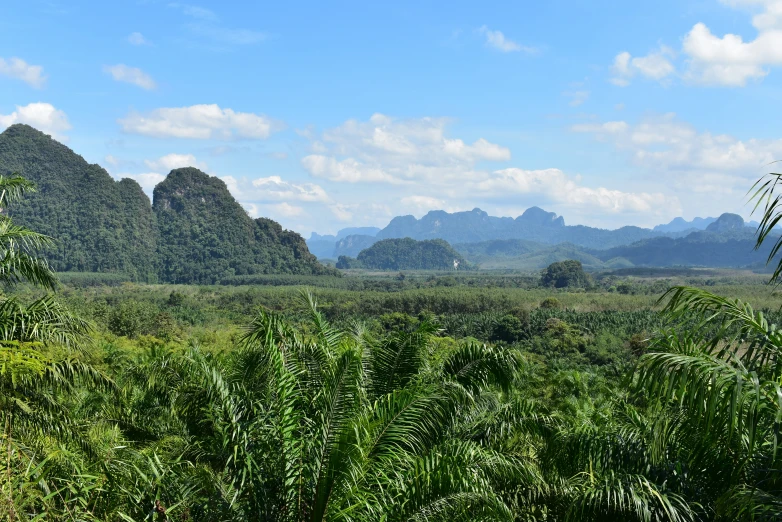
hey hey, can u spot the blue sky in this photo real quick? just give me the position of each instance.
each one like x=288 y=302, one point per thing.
x=323 y=115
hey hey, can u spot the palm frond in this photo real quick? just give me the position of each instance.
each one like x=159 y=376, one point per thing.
x=617 y=496
x=13 y=188
x=763 y=192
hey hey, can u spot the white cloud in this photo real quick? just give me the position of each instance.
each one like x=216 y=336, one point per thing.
x=276 y=196
x=709 y=59
x=498 y=41
x=393 y=151
x=712 y=171
x=560 y=188
x=111 y=160
x=577 y=98
x=199 y=122
x=43 y=116
x=274 y=187
x=348 y=170
x=194 y=11
x=419 y=205
x=228 y=36
x=147 y=180
x=18 y=69
x=655 y=65
x=286 y=209
x=206 y=24
x=132 y=75
x=449 y=173
x=173 y=161
x=729 y=60
x=600 y=129
x=343 y=212
x=137 y=39
x=668 y=143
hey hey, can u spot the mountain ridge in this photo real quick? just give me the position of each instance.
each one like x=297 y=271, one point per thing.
x=104 y=225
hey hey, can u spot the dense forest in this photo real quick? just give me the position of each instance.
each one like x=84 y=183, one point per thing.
x=433 y=397
x=99 y=224
x=193 y=232
x=406 y=254
x=206 y=236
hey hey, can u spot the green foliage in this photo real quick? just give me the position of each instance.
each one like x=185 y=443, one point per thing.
x=194 y=233
x=508 y=328
x=565 y=274
x=206 y=236
x=550 y=303
x=407 y=254
x=346 y=263
x=98 y=224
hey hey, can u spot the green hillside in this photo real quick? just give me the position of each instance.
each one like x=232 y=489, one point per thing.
x=406 y=254
x=195 y=232
x=100 y=224
x=206 y=236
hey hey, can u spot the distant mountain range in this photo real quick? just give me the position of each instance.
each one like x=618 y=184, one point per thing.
x=681 y=225
x=726 y=242
x=323 y=246
x=538 y=238
x=529 y=240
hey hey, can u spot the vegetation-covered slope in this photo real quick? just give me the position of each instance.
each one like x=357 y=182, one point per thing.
x=406 y=254
x=197 y=232
x=99 y=224
x=206 y=236
x=725 y=243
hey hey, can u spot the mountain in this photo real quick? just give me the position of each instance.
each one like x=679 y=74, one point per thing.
x=357 y=231
x=406 y=254
x=327 y=246
x=193 y=232
x=534 y=224
x=205 y=235
x=352 y=245
x=322 y=246
x=727 y=223
x=498 y=248
x=528 y=255
x=726 y=242
x=679 y=224
x=100 y=224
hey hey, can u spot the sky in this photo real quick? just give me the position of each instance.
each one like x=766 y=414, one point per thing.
x=325 y=115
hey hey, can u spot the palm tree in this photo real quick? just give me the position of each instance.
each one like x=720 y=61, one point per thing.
x=338 y=425
x=18 y=244
x=716 y=375
x=31 y=380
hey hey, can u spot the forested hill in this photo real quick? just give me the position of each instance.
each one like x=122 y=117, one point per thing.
x=100 y=224
x=406 y=254
x=726 y=242
x=197 y=232
x=206 y=236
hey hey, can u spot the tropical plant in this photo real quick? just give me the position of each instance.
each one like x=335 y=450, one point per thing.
x=338 y=425
x=30 y=378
